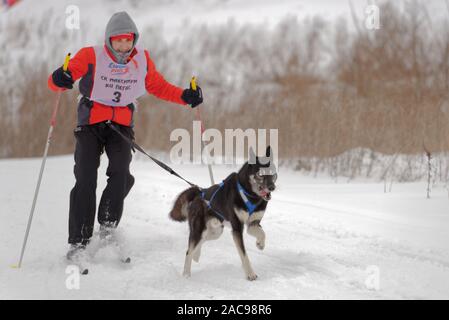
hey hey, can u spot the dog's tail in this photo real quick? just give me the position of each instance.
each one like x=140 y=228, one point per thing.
x=179 y=211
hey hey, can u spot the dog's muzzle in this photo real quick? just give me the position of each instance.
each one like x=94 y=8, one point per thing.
x=265 y=192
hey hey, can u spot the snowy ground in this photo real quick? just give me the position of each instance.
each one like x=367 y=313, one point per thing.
x=323 y=239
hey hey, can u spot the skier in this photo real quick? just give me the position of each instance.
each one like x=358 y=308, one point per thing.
x=112 y=77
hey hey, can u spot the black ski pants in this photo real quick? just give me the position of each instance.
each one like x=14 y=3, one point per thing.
x=91 y=142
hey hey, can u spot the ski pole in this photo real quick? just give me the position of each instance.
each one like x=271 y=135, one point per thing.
x=44 y=158
x=198 y=114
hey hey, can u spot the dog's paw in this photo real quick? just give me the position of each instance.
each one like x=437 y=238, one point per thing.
x=186 y=274
x=196 y=256
x=260 y=244
x=252 y=276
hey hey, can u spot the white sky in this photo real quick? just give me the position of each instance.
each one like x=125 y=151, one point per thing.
x=171 y=15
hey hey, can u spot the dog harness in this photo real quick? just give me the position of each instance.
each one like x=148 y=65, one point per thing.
x=208 y=202
x=251 y=207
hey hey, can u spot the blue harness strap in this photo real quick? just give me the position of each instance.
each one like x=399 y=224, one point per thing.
x=208 y=202
x=251 y=207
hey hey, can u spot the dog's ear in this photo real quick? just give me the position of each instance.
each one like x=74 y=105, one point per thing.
x=252 y=156
x=268 y=159
x=269 y=152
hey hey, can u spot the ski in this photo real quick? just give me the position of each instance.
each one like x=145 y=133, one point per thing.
x=77 y=256
x=109 y=245
x=123 y=256
x=109 y=239
x=126 y=260
x=84 y=271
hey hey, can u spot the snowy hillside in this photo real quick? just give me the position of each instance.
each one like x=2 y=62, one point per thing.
x=323 y=238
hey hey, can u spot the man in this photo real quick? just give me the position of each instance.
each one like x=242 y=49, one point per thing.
x=112 y=77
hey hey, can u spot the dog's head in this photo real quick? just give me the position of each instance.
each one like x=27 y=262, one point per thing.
x=262 y=173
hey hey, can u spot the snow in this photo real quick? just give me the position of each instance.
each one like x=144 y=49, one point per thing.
x=323 y=238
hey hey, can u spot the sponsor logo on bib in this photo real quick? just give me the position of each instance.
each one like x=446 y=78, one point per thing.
x=117 y=69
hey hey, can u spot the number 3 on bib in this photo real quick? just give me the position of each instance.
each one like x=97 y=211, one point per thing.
x=117 y=97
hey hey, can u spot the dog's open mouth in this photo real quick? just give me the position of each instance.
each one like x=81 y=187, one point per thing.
x=264 y=193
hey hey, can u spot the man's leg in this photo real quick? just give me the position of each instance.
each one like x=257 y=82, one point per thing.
x=120 y=181
x=82 y=197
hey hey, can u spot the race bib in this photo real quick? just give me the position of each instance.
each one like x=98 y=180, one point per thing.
x=118 y=85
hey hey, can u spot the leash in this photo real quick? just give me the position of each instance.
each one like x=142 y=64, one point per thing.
x=243 y=193
x=158 y=162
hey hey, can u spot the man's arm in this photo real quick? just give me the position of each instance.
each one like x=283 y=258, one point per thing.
x=158 y=86
x=78 y=66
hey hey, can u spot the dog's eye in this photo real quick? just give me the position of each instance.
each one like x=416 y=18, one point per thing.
x=259 y=175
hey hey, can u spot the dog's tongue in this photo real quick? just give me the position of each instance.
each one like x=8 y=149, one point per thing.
x=264 y=192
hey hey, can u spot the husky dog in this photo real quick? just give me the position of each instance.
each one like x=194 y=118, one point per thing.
x=241 y=199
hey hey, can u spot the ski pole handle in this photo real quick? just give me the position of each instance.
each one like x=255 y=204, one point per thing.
x=193 y=83
x=66 y=62
x=55 y=109
x=193 y=86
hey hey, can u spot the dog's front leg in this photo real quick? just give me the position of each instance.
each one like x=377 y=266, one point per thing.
x=255 y=230
x=238 y=240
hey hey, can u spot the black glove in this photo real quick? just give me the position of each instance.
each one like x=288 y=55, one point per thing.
x=62 y=79
x=193 y=97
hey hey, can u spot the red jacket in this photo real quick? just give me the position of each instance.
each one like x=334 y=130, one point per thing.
x=82 y=65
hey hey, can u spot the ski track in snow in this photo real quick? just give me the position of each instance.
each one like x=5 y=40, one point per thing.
x=320 y=243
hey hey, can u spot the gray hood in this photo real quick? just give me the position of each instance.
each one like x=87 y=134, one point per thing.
x=120 y=23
